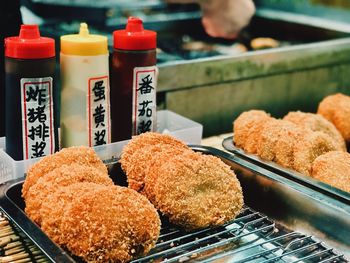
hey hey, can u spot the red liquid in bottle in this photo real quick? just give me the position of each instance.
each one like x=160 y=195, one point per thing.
x=134 y=52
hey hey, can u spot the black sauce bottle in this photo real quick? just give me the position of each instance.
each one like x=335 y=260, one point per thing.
x=30 y=100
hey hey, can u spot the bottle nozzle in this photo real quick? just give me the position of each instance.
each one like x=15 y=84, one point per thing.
x=134 y=25
x=29 y=32
x=84 y=31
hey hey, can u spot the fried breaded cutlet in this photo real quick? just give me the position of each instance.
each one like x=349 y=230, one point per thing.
x=193 y=190
x=247 y=127
x=135 y=157
x=197 y=192
x=101 y=223
x=272 y=132
x=336 y=109
x=80 y=155
x=317 y=122
x=60 y=177
x=308 y=148
x=333 y=168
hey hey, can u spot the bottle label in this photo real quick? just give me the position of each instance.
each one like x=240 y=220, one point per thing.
x=98 y=111
x=144 y=105
x=37 y=117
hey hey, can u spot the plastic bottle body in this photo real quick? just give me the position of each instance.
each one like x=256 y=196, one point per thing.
x=85 y=111
x=24 y=126
x=123 y=64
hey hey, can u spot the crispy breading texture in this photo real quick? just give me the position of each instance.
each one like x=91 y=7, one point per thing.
x=309 y=148
x=273 y=131
x=135 y=158
x=60 y=177
x=199 y=193
x=80 y=155
x=333 y=168
x=156 y=163
x=317 y=122
x=336 y=109
x=112 y=224
x=247 y=128
x=55 y=204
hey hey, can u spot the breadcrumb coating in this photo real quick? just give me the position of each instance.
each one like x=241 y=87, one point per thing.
x=197 y=194
x=317 y=122
x=134 y=158
x=80 y=155
x=336 y=109
x=272 y=132
x=333 y=168
x=247 y=128
x=155 y=164
x=55 y=204
x=311 y=146
x=112 y=224
x=60 y=177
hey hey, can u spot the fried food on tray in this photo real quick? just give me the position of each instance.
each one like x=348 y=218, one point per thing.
x=271 y=132
x=193 y=190
x=247 y=128
x=135 y=157
x=111 y=224
x=60 y=177
x=101 y=223
x=284 y=149
x=81 y=155
x=264 y=42
x=154 y=166
x=197 y=193
x=55 y=204
x=336 y=109
x=333 y=168
x=317 y=122
x=311 y=146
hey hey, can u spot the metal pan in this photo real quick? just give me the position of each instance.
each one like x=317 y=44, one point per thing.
x=282 y=221
x=308 y=181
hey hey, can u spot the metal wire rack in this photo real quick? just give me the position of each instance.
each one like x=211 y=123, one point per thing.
x=251 y=237
x=15 y=246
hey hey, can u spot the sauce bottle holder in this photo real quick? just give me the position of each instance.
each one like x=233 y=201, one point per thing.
x=168 y=122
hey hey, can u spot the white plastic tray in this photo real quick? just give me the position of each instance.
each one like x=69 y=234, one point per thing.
x=168 y=122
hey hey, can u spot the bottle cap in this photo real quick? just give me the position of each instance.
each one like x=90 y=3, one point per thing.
x=29 y=44
x=84 y=44
x=134 y=37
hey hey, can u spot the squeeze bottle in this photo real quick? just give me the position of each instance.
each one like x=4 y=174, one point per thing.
x=85 y=111
x=134 y=81
x=31 y=101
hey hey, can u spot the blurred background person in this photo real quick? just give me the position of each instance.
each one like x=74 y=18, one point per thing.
x=223 y=18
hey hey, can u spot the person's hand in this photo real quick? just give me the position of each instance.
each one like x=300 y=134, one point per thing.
x=223 y=18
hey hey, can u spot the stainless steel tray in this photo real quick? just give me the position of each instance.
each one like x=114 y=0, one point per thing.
x=283 y=221
x=288 y=173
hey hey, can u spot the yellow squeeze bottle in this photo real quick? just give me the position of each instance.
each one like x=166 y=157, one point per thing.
x=85 y=99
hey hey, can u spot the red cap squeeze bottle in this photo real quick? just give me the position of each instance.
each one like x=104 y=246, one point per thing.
x=31 y=123
x=134 y=81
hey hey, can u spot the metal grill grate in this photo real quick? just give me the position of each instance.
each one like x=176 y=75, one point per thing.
x=251 y=237
x=15 y=246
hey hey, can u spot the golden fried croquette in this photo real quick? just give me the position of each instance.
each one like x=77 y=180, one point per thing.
x=336 y=109
x=110 y=224
x=54 y=205
x=284 y=149
x=333 y=168
x=198 y=193
x=60 y=177
x=247 y=127
x=135 y=158
x=317 y=122
x=156 y=163
x=272 y=131
x=80 y=155
x=309 y=147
